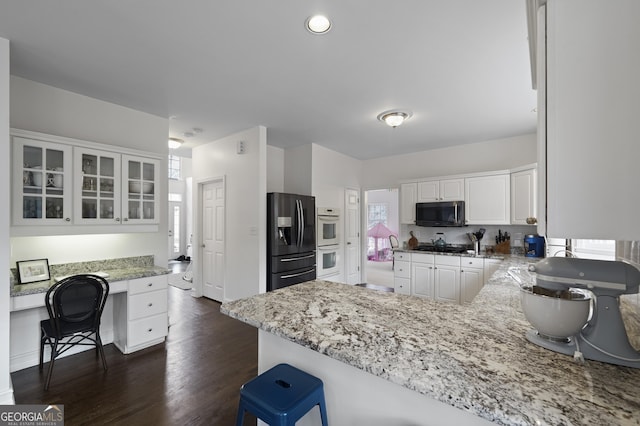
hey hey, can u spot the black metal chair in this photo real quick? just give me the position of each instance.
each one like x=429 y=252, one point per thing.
x=75 y=306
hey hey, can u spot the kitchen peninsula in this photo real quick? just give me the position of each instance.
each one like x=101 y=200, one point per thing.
x=389 y=358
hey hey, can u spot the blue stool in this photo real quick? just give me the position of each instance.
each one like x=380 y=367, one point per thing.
x=281 y=396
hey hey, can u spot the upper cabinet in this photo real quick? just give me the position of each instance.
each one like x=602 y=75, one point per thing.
x=592 y=126
x=408 y=196
x=487 y=199
x=76 y=183
x=41 y=183
x=441 y=190
x=140 y=185
x=523 y=195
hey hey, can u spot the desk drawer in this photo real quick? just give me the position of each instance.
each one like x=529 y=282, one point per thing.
x=147 y=304
x=147 y=329
x=143 y=285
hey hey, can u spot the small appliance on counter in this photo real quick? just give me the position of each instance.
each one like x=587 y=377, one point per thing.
x=558 y=305
x=533 y=245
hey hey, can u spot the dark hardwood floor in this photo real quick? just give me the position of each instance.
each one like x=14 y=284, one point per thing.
x=192 y=379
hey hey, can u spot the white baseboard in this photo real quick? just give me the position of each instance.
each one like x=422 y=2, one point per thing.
x=6 y=396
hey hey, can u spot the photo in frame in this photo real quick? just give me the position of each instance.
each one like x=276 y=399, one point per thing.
x=30 y=271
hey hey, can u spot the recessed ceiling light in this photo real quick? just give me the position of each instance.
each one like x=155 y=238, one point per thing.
x=394 y=118
x=318 y=24
x=175 y=143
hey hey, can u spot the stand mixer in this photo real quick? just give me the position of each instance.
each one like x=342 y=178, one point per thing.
x=604 y=337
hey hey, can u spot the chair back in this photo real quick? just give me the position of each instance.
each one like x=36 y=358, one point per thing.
x=75 y=304
x=393 y=240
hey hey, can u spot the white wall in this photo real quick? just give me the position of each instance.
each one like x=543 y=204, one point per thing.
x=478 y=157
x=332 y=172
x=246 y=209
x=275 y=169
x=297 y=165
x=46 y=109
x=6 y=392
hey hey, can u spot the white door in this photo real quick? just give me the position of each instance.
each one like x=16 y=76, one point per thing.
x=175 y=237
x=213 y=240
x=352 y=236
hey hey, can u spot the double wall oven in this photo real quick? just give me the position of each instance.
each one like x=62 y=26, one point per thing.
x=328 y=237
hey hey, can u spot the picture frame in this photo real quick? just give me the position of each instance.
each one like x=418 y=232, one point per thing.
x=30 y=271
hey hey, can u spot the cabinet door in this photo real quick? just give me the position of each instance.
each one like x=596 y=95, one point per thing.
x=422 y=280
x=490 y=267
x=41 y=183
x=470 y=283
x=488 y=200
x=140 y=184
x=428 y=191
x=447 y=283
x=408 y=193
x=97 y=186
x=523 y=196
x=452 y=190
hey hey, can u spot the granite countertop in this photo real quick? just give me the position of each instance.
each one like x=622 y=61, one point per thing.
x=463 y=254
x=118 y=270
x=474 y=357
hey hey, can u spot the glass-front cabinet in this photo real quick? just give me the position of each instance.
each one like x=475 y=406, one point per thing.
x=42 y=182
x=97 y=186
x=141 y=186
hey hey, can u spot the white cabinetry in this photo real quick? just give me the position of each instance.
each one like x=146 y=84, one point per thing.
x=41 y=182
x=592 y=124
x=523 y=195
x=471 y=278
x=97 y=186
x=140 y=315
x=408 y=196
x=423 y=275
x=402 y=273
x=488 y=199
x=490 y=266
x=441 y=190
x=447 y=278
x=140 y=184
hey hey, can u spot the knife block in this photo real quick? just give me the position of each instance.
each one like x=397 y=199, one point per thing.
x=503 y=247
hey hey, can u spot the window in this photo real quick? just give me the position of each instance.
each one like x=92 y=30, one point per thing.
x=175 y=197
x=174 y=167
x=594 y=249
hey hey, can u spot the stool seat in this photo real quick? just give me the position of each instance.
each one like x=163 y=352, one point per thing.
x=281 y=396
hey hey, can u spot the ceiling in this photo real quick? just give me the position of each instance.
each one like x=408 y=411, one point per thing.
x=461 y=67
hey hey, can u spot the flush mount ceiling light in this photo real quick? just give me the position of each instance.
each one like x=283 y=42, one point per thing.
x=318 y=24
x=394 y=118
x=175 y=143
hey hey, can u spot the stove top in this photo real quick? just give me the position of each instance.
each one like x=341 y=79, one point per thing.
x=449 y=248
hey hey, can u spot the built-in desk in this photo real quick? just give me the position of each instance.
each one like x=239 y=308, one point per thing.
x=134 y=317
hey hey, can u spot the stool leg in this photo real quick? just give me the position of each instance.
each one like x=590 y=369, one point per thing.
x=240 y=415
x=323 y=412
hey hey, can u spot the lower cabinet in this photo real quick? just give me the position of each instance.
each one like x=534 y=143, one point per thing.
x=423 y=275
x=447 y=278
x=471 y=278
x=140 y=314
x=456 y=279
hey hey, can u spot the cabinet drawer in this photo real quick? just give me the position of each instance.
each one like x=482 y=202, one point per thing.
x=142 y=285
x=471 y=262
x=402 y=285
x=401 y=255
x=448 y=260
x=422 y=258
x=402 y=269
x=147 y=304
x=147 y=329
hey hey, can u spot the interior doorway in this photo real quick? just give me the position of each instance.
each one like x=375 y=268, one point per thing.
x=382 y=220
x=212 y=239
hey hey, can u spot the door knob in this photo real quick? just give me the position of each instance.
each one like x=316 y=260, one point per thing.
x=203 y=245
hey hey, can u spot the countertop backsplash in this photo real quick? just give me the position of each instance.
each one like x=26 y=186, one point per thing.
x=458 y=235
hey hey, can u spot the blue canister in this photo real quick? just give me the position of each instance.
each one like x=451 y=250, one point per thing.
x=534 y=245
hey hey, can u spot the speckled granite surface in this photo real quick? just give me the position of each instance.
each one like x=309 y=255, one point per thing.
x=474 y=357
x=125 y=268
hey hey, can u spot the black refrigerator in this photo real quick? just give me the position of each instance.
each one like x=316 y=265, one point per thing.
x=291 y=239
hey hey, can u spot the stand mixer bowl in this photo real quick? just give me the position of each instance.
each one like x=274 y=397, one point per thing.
x=556 y=315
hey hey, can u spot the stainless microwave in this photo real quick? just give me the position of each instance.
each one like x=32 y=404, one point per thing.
x=440 y=213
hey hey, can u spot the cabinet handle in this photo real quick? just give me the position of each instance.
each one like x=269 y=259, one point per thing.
x=150 y=285
x=125 y=219
x=150 y=330
x=117 y=219
x=68 y=219
x=150 y=304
